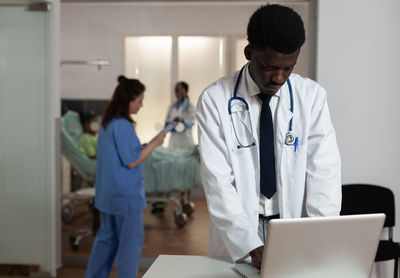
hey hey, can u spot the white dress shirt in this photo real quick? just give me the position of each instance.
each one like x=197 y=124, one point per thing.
x=267 y=206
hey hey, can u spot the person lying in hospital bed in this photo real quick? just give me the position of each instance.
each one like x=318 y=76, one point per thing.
x=88 y=139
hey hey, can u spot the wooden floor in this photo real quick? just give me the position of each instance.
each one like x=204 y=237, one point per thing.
x=162 y=236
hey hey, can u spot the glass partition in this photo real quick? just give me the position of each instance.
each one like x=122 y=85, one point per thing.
x=25 y=142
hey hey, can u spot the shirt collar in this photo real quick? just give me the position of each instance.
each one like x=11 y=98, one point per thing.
x=185 y=103
x=252 y=87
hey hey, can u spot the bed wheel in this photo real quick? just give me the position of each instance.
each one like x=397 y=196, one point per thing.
x=188 y=208
x=92 y=208
x=72 y=241
x=158 y=207
x=180 y=219
x=67 y=214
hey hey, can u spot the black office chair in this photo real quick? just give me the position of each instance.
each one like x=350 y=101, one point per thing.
x=366 y=198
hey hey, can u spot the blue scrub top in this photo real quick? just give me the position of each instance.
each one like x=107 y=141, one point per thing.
x=119 y=190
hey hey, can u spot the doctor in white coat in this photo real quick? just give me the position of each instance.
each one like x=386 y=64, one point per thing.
x=306 y=160
x=181 y=112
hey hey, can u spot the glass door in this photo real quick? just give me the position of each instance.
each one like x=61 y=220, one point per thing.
x=26 y=145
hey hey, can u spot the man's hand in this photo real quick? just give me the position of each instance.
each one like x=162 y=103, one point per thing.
x=256 y=256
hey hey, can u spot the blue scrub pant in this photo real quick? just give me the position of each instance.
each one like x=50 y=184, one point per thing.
x=118 y=234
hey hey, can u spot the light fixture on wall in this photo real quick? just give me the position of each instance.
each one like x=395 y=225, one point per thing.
x=99 y=63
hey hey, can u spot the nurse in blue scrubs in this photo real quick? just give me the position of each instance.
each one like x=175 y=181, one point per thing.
x=120 y=194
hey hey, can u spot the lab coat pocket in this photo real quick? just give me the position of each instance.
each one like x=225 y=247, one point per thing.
x=248 y=156
x=294 y=159
x=243 y=151
x=287 y=164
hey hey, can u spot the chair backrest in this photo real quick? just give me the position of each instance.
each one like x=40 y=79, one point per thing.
x=367 y=198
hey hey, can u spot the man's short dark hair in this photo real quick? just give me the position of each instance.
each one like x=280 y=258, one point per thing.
x=278 y=27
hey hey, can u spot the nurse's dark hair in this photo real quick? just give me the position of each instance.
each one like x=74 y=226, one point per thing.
x=126 y=91
x=183 y=84
x=276 y=26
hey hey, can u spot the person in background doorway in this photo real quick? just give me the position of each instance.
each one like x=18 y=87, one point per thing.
x=182 y=113
x=88 y=139
x=267 y=144
x=120 y=194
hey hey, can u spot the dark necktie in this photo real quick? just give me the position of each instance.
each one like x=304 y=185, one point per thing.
x=267 y=156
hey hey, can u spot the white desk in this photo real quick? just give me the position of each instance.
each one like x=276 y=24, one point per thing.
x=176 y=266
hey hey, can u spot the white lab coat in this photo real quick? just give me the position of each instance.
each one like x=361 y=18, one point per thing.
x=308 y=181
x=184 y=139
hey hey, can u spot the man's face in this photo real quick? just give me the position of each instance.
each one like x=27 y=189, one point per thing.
x=269 y=68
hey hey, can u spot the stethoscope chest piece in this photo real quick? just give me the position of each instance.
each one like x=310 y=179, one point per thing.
x=290 y=139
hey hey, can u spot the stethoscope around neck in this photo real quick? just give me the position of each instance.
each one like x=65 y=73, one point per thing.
x=290 y=138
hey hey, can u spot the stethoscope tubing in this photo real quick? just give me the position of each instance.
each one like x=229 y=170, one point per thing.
x=245 y=102
x=291 y=104
x=235 y=97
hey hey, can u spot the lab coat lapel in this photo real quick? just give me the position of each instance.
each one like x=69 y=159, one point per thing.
x=254 y=109
x=283 y=116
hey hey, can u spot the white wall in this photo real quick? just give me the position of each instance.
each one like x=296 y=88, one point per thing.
x=358 y=63
x=97 y=30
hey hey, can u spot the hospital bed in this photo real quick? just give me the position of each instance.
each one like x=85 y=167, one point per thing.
x=71 y=129
x=169 y=176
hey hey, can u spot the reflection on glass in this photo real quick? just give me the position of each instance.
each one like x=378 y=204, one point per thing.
x=148 y=58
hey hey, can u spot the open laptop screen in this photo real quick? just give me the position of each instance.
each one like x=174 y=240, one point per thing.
x=339 y=246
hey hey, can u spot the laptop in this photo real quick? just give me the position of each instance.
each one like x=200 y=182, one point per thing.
x=338 y=246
